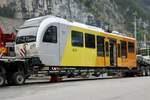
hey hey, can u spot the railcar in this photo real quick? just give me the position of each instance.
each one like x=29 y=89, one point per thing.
x=58 y=42
x=61 y=44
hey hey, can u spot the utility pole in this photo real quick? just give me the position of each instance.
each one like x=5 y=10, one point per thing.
x=135 y=26
x=147 y=46
x=148 y=50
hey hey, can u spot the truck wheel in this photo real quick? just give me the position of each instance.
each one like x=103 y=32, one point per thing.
x=2 y=80
x=18 y=78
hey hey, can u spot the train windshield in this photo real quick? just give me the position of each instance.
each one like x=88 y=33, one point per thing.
x=26 y=35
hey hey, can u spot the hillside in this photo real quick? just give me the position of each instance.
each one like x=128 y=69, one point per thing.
x=10 y=25
x=116 y=14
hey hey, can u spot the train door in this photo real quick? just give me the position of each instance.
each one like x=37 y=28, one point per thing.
x=118 y=53
x=113 y=53
x=49 y=47
x=107 y=52
x=100 y=59
x=124 y=53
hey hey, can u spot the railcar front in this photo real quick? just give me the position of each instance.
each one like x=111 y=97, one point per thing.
x=39 y=38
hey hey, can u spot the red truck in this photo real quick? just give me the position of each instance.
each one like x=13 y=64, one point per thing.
x=6 y=39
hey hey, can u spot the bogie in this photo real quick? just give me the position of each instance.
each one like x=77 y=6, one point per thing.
x=2 y=76
x=2 y=79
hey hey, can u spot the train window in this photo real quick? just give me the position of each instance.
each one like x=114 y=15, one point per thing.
x=77 y=38
x=107 y=48
x=89 y=40
x=119 y=53
x=50 y=35
x=100 y=46
x=130 y=47
x=124 y=49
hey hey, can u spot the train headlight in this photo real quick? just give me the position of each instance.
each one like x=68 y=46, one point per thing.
x=33 y=46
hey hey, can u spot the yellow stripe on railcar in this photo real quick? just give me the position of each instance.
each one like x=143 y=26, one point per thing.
x=111 y=51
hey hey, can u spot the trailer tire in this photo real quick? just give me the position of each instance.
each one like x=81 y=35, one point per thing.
x=2 y=80
x=143 y=71
x=10 y=81
x=18 y=78
x=148 y=71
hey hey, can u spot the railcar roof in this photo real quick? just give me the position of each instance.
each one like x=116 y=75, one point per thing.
x=37 y=21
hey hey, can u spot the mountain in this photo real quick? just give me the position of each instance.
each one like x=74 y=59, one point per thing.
x=116 y=15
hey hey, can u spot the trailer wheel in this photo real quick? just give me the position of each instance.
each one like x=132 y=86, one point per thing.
x=148 y=71
x=10 y=81
x=18 y=78
x=143 y=72
x=2 y=80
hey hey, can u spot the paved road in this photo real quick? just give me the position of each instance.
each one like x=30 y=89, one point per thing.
x=109 y=89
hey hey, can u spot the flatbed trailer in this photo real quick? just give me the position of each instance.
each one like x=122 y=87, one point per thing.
x=14 y=71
